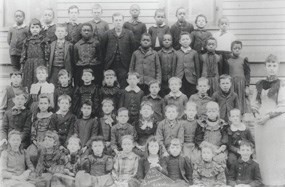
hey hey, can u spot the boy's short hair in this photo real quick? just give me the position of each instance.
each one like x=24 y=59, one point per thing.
x=129 y=137
x=89 y=70
x=61 y=25
x=171 y=106
x=117 y=14
x=44 y=96
x=208 y=145
x=53 y=135
x=233 y=110
x=159 y=11
x=179 y=9
x=35 y=22
x=175 y=79
x=42 y=68
x=75 y=138
x=246 y=143
x=135 y=5
x=97 y=6
x=225 y=76
x=86 y=24
x=184 y=33
x=16 y=73
x=212 y=104
x=175 y=142
x=22 y=12
x=64 y=97
x=133 y=73
x=236 y=42
x=50 y=9
x=107 y=100
x=154 y=82
x=201 y=15
x=146 y=34
x=168 y=35
x=191 y=103
x=22 y=93
x=122 y=109
x=203 y=79
x=14 y=132
x=222 y=18
x=63 y=72
x=98 y=139
x=73 y=7
x=147 y=103
x=271 y=59
x=87 y=102
x=211 y=38
x=110 y=72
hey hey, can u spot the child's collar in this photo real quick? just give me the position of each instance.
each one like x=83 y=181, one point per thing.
x=242 y=127
x=135 y=21
x=162 y=25
x=19 y=26
x=178 y=94
x=46 y=26
x=97 y=20
x=60 y=112
x=186 y=50
x=22 y=108
x=135 y=89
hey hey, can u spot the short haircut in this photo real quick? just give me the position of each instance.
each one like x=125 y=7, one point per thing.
x=87 y=102
x=88 y=70
x=128 y=137
x=14 y=132
x=64 y=97
x=73 y=7
x=146 y=34
x=201 y=15
x=225 y=76
x=211 y=38
x=50 y=9
x=246 y=143
x=175 y=79
x=147 y=103
x=184 y=33
x=74 y=138
x=212 y=105
x=35 y=22
x=63 y=72
x=107 y=100
x=159 y=11
x=135 y=5
x=122 y=109
x=168 y=34
x=16 y=73
x=97 y=6
x=154 y=81
x=208 y=145
x=171 y=106
x=54 y=136
x=271 y=59
x=223 y=18
x=235 y=110
x=61 y=25
x=22 y=93
x=134 y=74
x=42 y=68
x=180 y=8
x=98 y=139
x=88 y=25
x=175 y=142
x=191 y=104
x=236 y=42
x=203 y=79
x=21 y=11
x=44 y=96
x=117 y=14
x=110 y=72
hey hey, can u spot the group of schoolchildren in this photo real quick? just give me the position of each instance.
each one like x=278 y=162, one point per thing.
x=89 y=106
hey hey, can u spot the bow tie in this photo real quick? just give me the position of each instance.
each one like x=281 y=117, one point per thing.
x=16 y=111
x=108 y=120
x=147 y=124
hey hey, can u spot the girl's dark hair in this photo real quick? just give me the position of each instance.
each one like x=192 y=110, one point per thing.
x=153 y=139
x=15 y=132
x=201 y=15
x=35 y=22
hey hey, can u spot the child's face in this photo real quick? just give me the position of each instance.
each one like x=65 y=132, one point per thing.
x=110 y=80
x=245 y=152
x=48 y=16
x=73 y=14
x=154 y=89
x=63 y=80
x=86 y=32
x=225 y=85
x=42 y=75
x=16 y=80
x=19 y=18
x=127 y=145
x=174 y=86
x=146 y=111
x=201 y=22
x=145 y=42
x=35 y=29
x=181 y=13
x=107 y=108
x=235 y=117
x=97 y=148
x=49 y=142
x=224 y=25
x=167 y=41
x=236 y=49
x=60 y=33
x=118 y=22
x=190 y=111
x=15 y=141
x=171 y=113
x=207 y=154
x=64 y=105
x=132 y=81
x=97 y=13
x=87 y=77
x=73 y=146
x=135 y=11
x=175 y=149
x=211 y=45
x=43 y=104
x=153 y=148
x=19 y=101
x=272 y=68
x=203 y=87
x=86 y=110
x=159 y=18
x=212 y=113
x=185 y=40
x=123 y=117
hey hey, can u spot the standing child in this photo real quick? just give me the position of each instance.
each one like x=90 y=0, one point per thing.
x=169 y=128
x=156 y=101
x=245 y=171
x=200 y=35
x=207 y=172
x=63 y=120
x=48 y=25
x=86 y=128
x=201 y=98
x=60 y=54
x=99 y=26
x=88 y=91
x=121 y=129
x=16 y=36
x=158 y=30
x=35 y=53
x=238 y=68
x=176 y=97
x=16 y=164
x=168 y=63
x=73 y=27
x=132 y=96
x=87 y=54
x=146 y=63
x=188 y=66
x=211 y=65
x=17 y=118
x=126 y=164
x=135 y=25
x=41 y=87
x=226 y=97
x=180 y=26
x=118 y=45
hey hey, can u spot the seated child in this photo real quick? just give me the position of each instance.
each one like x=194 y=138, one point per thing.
x=132 y=96
x=145 y=126
x=237 y=132
x=121 y=129
x=176 y=97
x=156 y=101
x=145 y=62
x=245 y=172
x=86 y=127
x=63 y=120
x=169 y=128
x=17 y=118
x=41 y=87
x=126 y=164
x=16 y=164
x=178 y=167
x=207 y=172
x=201 y=98
x=99 y=165
x=226 y=97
